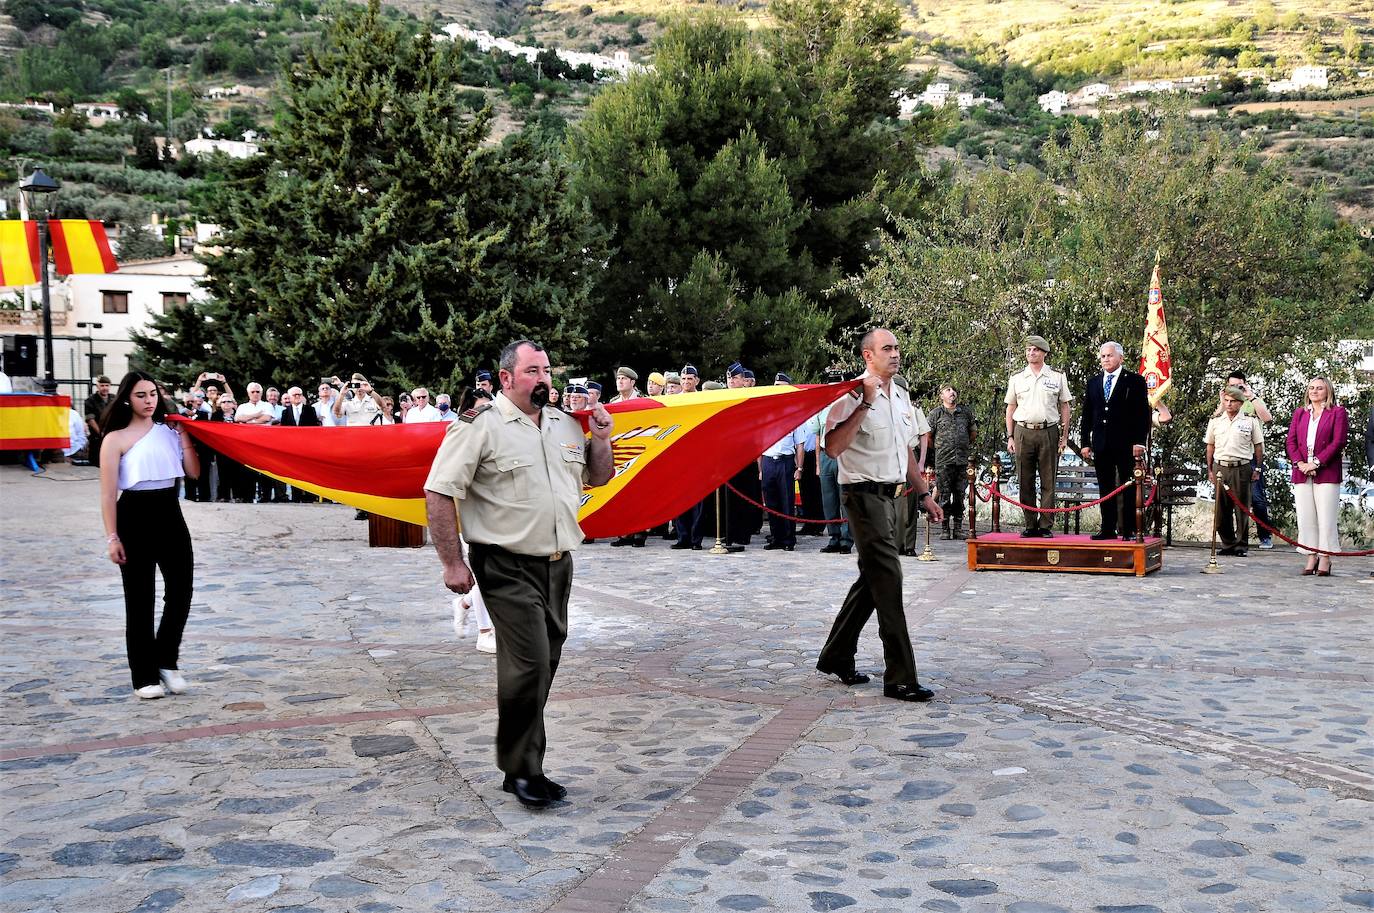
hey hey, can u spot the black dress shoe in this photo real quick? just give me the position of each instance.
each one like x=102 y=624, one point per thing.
x=621 y=542
x=556 y=791
x=681 y=545
x=1228 y=550
x=1044 y=533
x=1240 y=552
x=788 y=548
x=772 y=546
x=831 y=549
x=849 y=678
x=1102 y=536
x=1031 y=533
x=908 y=693
x=529 y=792
x=846 y=549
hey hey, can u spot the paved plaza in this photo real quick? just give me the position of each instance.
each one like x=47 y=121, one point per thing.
x=1181 y=742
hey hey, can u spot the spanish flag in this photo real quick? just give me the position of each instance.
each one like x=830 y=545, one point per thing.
x=78 y=246
x=33 y=421
x=1155 y=361
x=18 y=253
x=669 y=452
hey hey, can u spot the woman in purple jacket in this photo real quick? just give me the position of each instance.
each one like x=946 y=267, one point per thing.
x=1316 y=436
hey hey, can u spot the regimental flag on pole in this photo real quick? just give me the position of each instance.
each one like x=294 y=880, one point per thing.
x=1156 y=363
x=18 y=252
x=669 y=452
x=78 y=246
x=33 y=421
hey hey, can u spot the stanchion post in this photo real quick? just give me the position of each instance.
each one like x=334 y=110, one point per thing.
x=972 y=473
x=929 y=553
x=1139 y=499
x=719 y=548
x=1212 y=566
x=997 y=490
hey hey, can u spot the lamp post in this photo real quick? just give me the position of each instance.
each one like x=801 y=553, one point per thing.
x=89 y=326
x=36 y=189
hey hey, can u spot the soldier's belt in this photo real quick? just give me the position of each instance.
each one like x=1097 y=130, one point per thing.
x=885 y=489
x=1231 y=465
x=1036 y=426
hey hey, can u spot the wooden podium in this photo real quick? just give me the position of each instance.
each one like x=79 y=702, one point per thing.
x=1079 y=554
x=384 y=532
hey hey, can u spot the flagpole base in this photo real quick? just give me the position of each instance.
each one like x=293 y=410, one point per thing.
x=1212 y=566
x=927 y=555
x=719 y=548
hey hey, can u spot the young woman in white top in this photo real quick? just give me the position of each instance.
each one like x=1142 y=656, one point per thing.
x=141 y=460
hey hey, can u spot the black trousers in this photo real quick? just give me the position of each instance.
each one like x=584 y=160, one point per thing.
x=777 y=493
x=873 y=523
x=155 y=538
x=1113 y=469
x=688 y=525
x=813 y=505
x=527 y=599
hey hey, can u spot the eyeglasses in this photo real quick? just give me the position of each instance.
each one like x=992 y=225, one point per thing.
x=422 y=396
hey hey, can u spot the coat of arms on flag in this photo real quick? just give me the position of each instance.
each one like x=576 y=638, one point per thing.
x=1156 y=364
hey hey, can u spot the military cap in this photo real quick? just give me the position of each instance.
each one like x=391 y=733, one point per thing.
x=657 y=378
x=483 y=375
x=593 y=385
x=672 y=377
x=626 y=372
x=1040 y=343
x=713 y=385
x=358 y=378
x=1235 y=391
x=575 y=388
x=748 y=375
x=689 y=369
x=782 y=378
x=734 y=370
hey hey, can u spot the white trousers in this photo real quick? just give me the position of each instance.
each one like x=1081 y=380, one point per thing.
x=1318 y=506
x=479 y=605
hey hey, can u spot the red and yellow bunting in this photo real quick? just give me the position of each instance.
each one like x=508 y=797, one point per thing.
x=79 y=246
x=18 y=252
x=32 y=421
x=670 y=452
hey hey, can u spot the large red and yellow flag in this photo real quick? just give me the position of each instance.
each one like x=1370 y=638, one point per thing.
x=670 y=452
x=78 y=246
x=33 y=421
x=18 y=252
x=1156 y=364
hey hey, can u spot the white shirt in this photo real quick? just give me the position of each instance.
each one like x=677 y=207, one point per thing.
x=791 y=443
x=882 y=447
x=325 y=412
x=248 y=410
x=425 y=413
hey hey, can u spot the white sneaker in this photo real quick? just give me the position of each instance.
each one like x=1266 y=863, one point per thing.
x=461 y=604
x=486 y=642
x=148 y=692
x=173 y=681
x=1267 y=544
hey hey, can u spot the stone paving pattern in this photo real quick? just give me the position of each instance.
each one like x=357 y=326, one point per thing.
x=1179 y=742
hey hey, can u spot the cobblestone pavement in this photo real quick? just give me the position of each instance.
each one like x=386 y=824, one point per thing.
x=1179 y=742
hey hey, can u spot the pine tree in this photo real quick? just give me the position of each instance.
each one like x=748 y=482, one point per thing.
x=376 y=234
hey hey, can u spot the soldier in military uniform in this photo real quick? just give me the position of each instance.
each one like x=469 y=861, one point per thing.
x=871 y=432
x=951 y=423
x=1235 y=453
x=510 y=476
x=1037 y=401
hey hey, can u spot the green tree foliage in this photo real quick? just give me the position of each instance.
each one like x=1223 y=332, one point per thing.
x=1257 y=273
x=744 y=167
x=137 y=242
x=376 y=234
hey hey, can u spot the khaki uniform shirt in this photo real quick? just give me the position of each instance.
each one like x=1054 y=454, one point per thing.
x=1234 y=440
x=882 y=447
x=1037 y=398
x=360 y=410
x=518 y=485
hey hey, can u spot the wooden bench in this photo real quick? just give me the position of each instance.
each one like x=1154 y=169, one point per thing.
x=1177 y=488
x=1074 y=485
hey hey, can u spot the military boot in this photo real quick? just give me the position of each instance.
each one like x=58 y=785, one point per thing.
x=944 y=528
x=958 y=527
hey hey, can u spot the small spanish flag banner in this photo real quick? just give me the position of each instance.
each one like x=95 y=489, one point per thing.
x=18 y=252
x=33 y=421
x=1156 y=364
x=670 y=452
x=79 y=246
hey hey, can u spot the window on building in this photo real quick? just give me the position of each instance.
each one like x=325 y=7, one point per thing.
x=173 y=300
x=114 y=302
x=97 y=364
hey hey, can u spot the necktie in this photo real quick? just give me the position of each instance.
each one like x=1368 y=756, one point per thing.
x=1107 y=387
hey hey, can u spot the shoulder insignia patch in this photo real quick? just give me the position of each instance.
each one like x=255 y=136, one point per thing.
x=471 y=415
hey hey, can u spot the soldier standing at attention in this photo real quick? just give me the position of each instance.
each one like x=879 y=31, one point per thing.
x=1235 y=453
x=516 y=467
x=952 y=425
x=871 y=433
x=1037 y=401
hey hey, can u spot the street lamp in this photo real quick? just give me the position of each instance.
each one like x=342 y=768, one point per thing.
x=89 y=326
x=37 y=188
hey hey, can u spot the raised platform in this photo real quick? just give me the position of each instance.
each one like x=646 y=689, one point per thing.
x=1081 y=554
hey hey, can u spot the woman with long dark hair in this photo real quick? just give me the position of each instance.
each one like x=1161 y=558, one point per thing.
x=141 y=460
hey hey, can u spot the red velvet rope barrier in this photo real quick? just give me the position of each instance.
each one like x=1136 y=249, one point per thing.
x=1294 y=542
x=1069 y=510
x=778 y=513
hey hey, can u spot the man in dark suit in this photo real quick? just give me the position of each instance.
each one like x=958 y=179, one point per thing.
x=298 y=413
x=1116 y=423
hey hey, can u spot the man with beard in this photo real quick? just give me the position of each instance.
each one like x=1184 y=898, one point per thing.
x=96 y=404
x=516 y=469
